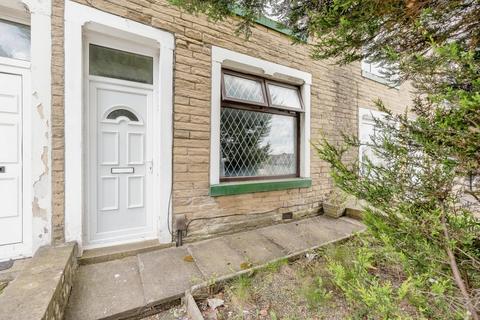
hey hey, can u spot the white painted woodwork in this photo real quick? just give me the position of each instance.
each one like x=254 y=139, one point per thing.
x=120 y=174
x=366 y=131
x=11 y=106
x=81 y=22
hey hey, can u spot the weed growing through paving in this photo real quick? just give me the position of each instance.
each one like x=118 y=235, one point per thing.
x=275 y=265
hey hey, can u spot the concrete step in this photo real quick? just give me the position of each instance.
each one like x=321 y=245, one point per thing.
x=135 y=285
x=120 y=251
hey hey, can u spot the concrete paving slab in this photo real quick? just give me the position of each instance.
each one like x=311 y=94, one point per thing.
x=166 y=274
x=318 y=231
x=106 y=289
x=125 y=287
x=216 y=258
x=345 y=225
x=289 y=236
x=255 y=246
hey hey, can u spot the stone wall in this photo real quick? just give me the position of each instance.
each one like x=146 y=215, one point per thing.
x=58 y=141
x=42 y=288
x=337 y=93
x=58 y=303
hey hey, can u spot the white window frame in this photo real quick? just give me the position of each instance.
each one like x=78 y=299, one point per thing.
x=243 y=63
x=80 y=19
x=366 y=117
x=373 y=71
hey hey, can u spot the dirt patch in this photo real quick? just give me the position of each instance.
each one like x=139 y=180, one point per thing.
x=326 y=284
x=174 y=313
x=281 y=291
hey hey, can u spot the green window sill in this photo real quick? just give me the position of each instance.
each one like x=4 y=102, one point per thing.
x=231 y=188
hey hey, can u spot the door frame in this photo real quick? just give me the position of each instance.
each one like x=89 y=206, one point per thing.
x=24 y=248
x=90 y=151
x=79 y=20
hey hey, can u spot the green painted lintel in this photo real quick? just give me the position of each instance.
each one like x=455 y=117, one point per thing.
x=231 y=188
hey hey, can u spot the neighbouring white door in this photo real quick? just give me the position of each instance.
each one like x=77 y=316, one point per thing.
x=120 y=162
x=11 y=106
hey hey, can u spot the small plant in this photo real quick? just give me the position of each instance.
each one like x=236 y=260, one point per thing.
x=275 y=265
x=315 y=293
x=242 y=287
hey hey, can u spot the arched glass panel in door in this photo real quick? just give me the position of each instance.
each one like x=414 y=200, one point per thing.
x=121 y=112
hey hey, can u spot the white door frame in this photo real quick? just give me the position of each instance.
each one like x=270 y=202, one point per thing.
x=23 y=249
x=90 y=150
x=37 y=168
x=79 y=20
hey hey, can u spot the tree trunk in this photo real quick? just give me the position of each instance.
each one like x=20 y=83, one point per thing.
x=456 y=272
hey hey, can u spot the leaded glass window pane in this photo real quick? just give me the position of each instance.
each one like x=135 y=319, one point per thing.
x=113 y=63
x=14 y=40
x=284 y=96
x=239 y=88
x=257 y=144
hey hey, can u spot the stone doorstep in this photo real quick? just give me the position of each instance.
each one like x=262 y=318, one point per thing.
x=41 y=289
x=161 y=277
x=121 y=251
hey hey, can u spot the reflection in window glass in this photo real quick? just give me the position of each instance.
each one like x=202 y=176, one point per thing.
x=257 y=144
x=243 y=89
x=112 y=63
x=284 y=96
x=14 y=40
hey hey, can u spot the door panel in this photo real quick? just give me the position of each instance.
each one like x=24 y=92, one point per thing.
x=119 y=126
x=11 y=218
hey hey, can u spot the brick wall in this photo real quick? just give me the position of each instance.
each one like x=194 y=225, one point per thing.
x=58 y=142
x=337 y=92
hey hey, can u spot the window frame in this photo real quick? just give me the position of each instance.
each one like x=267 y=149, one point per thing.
x=13 y=19
x=268 y=108
x=244 y=76
x=285 y=85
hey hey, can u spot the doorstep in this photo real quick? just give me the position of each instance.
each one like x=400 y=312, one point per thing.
x=120 y=251
x=140 y=284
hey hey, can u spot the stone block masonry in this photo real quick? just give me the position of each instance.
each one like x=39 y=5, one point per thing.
x=42 y=289
x=337 y=93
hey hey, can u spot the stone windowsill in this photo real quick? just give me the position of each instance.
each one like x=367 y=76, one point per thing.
x=232 y=188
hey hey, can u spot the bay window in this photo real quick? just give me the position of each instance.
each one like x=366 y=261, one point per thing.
x=259 y=128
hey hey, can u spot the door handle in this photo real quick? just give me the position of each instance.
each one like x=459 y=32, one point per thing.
x=2 y=169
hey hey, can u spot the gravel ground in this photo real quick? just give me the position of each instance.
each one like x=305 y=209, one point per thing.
x=175 y=313
x=276 y=294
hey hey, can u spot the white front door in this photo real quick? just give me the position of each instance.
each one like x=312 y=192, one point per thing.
x=120 y=163
x=11 y=106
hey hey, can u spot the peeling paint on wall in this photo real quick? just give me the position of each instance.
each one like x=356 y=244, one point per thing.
x=37 y=211
x=41 y=185
x=40 y=111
